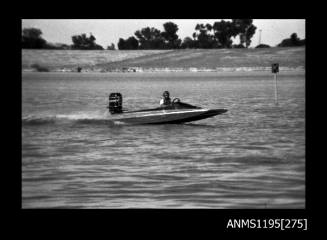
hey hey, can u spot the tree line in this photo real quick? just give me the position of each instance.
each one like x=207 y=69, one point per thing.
x=294 y=40
x=217 y=35
x=220 y=34
x=32 y=39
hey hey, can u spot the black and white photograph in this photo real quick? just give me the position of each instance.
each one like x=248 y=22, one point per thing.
x=163 y=114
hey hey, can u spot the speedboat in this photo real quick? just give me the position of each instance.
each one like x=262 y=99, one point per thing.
x=177 y=112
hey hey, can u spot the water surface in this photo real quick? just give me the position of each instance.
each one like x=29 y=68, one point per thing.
x=251 y=157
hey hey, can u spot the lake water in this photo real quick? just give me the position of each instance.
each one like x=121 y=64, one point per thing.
x=253 y=156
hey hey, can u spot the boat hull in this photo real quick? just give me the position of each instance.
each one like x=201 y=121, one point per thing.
x=166 y=116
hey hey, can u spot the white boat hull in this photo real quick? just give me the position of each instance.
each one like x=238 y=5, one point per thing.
x=165 y=116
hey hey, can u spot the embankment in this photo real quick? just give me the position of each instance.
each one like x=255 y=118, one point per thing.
x=191 y=60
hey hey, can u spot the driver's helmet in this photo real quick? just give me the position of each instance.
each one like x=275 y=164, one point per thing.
x=165 y=94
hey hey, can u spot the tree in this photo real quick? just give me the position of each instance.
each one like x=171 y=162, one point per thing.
x=188 y=43
x=132 y=43
x=111 y=47
x=128 y=44
x=150 y=38
x=85 y=43
x=31 y=38
x=223 y=32
x=169 y=35
x=121 y=44
x=245 y=29
x=293 y=41
x=203 y=37
x=219 y=35
x=250 y=31
x=262 y=46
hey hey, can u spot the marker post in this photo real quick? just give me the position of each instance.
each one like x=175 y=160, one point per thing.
x=275 y=70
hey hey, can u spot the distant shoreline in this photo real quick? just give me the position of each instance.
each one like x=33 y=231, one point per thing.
x=161 y=70
x=262 y=72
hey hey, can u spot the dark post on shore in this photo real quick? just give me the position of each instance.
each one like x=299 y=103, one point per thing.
x=275 y=70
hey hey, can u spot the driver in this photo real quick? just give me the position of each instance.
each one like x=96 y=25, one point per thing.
x=165 y=100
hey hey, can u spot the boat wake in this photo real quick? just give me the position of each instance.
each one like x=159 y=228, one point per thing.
x=80 y=118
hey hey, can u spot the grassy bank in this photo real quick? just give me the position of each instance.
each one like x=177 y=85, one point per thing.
x=163 y=60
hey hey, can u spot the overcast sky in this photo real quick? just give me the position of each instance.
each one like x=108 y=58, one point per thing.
x=109 y=31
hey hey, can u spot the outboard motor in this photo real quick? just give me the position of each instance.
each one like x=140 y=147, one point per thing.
x=115 y=103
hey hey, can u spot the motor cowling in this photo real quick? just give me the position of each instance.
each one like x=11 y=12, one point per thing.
x=115 y=103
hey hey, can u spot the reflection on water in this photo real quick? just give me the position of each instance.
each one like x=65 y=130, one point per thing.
x=253 y=156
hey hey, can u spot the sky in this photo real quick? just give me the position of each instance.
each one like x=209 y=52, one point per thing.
x=107 y=31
